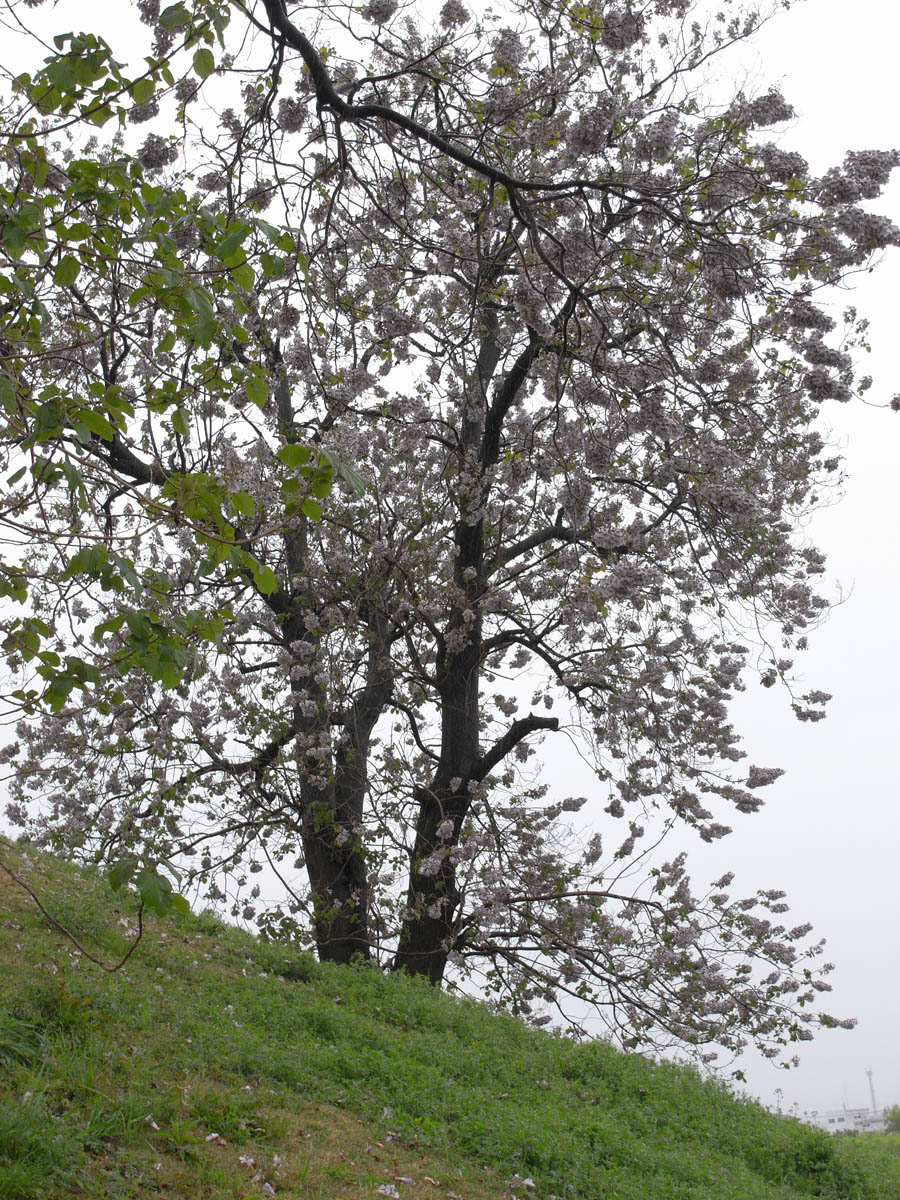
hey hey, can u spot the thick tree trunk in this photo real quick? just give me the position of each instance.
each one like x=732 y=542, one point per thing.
x=333 y=818
x=332 y=784
x=336 y=870
x=332 y=794
x=426 y=938
x=433 y=899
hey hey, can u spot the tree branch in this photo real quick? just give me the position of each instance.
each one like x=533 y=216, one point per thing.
x=516 y=733
x=124 y=460
x=329 y=98
x=71 y=936
x=555 y=532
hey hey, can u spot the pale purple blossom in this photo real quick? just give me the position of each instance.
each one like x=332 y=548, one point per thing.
x=380 y=11
x=453 y=13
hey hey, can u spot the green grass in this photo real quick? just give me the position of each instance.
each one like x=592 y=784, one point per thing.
x=214 y=1064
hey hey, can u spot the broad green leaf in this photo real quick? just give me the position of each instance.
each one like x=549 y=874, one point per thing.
x=123 y=870
x=67 y=271
x=8 y=400
x=233 y=242
x=155 y=890
x=311 y=509
x=204 y=63
x=142 y=90
x=97 y=424
x=271 y=232
x=180 y=422
x=99 y=116
x=179 y=904
x=243 y=276
x=138 y=295
x=174 y=17
x=352 y=478
x=294 y=456
x=243 y=503
x=58 y=692
x=167 y=244
x=13 y=584
x=105 y=627
x=204 y=327
x=266 y=580
x=257 y=390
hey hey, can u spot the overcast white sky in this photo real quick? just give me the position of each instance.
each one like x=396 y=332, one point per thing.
x=830 y=831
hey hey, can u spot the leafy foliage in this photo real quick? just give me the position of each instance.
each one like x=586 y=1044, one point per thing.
x=567 y=319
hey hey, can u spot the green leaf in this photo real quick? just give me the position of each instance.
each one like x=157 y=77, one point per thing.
x=155 y=890
x=204 y=63
x=8 y=399
x=257 y=390
x=266 y=580
x=97 y=424
x=180 y=904
x=294 y=456
x=311 y=509
x=67 y=271
x=123 y=870
x=138 y=295
x=58 y=692
x=243 y=503
x=243 y=276
x=105 y=627
x=233 y=242
x=180 y=422
x=99 y=116
x=204 y=327
x=174 y=17
x=13 y=584
x=142 y=90
x=352 y=478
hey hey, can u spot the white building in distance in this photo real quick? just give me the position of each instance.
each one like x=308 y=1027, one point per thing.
x=850 y=1120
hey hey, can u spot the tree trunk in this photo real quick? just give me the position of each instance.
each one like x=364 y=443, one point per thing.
x=332 y=794
x=336 y=870
x=433 y=898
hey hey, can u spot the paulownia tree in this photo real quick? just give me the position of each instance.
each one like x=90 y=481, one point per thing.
x=493 y=433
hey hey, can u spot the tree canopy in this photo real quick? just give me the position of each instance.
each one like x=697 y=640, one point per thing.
x=387 y=401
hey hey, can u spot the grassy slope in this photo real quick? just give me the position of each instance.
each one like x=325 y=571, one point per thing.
x=332 y=1082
